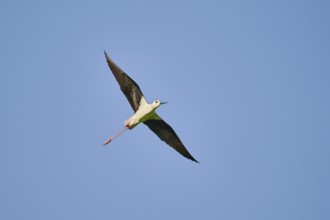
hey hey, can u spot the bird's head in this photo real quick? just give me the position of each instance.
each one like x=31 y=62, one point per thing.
x=157 y=103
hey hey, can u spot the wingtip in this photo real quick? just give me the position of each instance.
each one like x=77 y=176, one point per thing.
x=105 y=53
x=193 y=159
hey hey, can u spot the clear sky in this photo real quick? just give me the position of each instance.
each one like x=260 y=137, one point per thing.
x=248 y=86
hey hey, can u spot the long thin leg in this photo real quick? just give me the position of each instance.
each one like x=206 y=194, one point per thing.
x=115 y=135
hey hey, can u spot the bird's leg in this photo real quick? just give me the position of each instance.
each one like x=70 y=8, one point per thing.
x=115 y=135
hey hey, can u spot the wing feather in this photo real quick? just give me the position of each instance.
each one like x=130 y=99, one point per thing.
x=127 y=85
x=166 y=133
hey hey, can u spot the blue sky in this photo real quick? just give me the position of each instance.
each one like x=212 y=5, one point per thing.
x=248 y=89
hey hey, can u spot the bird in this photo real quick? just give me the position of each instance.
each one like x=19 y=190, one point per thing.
x=144 y=112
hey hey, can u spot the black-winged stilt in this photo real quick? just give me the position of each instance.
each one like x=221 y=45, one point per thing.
x=144 y=112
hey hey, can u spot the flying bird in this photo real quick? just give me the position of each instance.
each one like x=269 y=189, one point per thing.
x=144 y=112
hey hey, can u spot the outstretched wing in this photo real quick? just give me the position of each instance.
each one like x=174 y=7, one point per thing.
x=127 y=85
x=166 y=133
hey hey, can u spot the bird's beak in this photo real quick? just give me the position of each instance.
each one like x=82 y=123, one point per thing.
x=163 y=103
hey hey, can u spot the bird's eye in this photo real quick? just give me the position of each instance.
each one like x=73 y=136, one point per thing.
x=156 y=101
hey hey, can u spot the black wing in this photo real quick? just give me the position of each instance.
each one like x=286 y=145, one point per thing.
x=127 y=85
x=166 y=133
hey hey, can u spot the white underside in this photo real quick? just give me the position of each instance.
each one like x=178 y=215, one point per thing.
x=146 y=111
